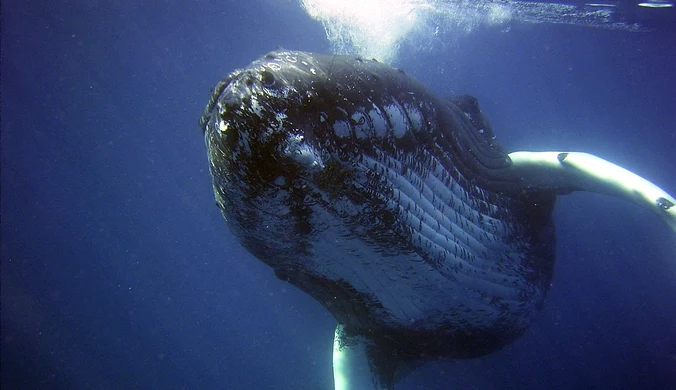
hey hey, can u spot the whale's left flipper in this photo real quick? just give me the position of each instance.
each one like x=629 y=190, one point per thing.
x=571 y=171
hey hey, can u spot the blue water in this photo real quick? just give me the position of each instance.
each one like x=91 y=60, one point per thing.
x=119 y=273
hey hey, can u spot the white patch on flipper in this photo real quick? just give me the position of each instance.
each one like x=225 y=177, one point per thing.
x=586 y=172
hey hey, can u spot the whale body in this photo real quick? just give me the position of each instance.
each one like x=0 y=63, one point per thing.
x=394 y=208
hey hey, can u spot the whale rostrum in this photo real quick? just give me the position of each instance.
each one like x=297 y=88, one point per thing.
x=396 y=209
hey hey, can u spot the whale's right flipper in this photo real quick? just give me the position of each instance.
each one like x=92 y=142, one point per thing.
x=352 y=366
x=362 y=363
x=355 y=365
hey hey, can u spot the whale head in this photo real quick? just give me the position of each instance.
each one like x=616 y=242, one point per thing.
x=267 y=146
x=391 y=207
x=289 y=132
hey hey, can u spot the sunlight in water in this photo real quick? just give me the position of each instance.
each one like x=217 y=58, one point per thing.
x=378 y=28
x=372 y=28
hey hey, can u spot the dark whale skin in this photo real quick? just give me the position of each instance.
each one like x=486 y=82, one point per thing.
x=394 y=208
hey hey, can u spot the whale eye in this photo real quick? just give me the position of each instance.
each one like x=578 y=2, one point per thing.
x=267 y=78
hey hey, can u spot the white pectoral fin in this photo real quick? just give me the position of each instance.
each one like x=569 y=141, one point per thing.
x=582 y=171
x=352 y=366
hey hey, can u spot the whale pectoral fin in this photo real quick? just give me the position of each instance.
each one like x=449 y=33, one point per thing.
x=564 y=172
x=360 y=364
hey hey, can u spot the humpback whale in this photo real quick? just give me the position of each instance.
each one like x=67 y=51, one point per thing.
x=396 y=209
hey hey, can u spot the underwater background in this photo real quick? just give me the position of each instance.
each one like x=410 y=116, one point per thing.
x=118 y=271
